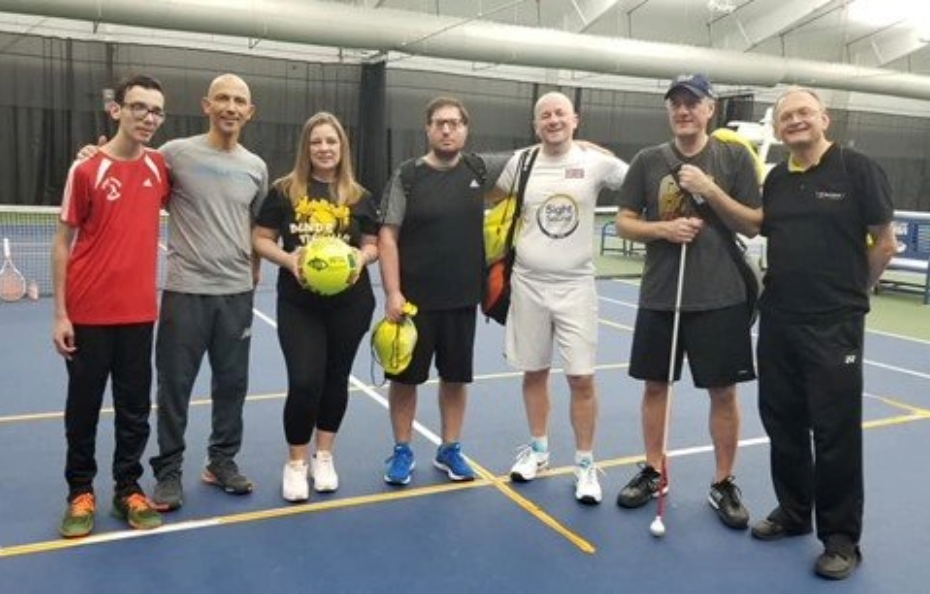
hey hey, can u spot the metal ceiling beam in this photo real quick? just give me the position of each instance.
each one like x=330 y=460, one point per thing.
x=584 y=13
x=745 y=29
x=339 y=25
x=886 y=46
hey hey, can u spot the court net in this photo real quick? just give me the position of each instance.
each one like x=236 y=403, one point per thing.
x=31 y=231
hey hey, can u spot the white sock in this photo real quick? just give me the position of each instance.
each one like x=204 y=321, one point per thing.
x=584 y=458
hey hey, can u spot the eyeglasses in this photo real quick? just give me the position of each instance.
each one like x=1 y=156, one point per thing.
x=804 y=114
x=140 y=111
x=452 y=123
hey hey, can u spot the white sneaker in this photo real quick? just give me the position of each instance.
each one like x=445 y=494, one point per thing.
x=529 y=463
x=294 y=486
x=587 y=487
x=325 y=479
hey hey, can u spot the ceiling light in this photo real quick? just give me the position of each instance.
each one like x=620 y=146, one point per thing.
x=721 y=6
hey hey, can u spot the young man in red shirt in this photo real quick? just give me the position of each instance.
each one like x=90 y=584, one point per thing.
x=104 y=263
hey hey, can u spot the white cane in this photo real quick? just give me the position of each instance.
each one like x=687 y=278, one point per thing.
x=657 y=528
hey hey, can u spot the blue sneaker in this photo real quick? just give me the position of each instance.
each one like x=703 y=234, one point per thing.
x=400 y=465
x=450 y=460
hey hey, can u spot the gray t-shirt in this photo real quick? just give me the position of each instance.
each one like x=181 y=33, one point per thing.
x=214 y=200
x=712 y=280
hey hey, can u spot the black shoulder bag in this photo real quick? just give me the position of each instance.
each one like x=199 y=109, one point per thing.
x=748 y=269
x=495 y=301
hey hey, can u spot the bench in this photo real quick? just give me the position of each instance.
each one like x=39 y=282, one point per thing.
x=612 y=242
x=912 y=230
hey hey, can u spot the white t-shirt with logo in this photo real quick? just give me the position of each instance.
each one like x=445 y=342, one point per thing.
x=557 y=223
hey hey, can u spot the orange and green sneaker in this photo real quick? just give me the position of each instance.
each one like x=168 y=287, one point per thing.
x=136 y=510
x=79 y=517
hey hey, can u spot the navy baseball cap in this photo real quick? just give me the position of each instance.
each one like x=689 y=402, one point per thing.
x=695 y=83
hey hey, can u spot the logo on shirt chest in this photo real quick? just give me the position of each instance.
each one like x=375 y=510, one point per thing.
x=831 y=196
x=558 y=216
x=112 y=187
x=574 y=173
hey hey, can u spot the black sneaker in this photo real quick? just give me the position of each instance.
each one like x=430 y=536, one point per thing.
x=774 y=527
x=725 y=497
x=642 y=487
x=225 y=475
x=838 y=563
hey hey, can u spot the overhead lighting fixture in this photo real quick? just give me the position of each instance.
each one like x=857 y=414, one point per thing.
x=883 y=13
x=721 y=6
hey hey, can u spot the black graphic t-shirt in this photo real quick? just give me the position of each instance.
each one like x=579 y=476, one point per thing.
x=317 y=214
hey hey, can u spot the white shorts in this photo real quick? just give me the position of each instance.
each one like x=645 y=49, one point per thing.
x=540 y=312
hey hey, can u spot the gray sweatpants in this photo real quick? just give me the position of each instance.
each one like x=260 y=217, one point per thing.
x=190 y=325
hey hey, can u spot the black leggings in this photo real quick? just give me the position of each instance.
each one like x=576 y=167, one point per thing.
x=319 y=346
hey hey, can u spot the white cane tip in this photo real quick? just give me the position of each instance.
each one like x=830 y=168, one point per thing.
x=657 y=528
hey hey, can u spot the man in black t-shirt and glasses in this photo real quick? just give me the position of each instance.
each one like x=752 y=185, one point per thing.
x=827 y=217
x=432 y=256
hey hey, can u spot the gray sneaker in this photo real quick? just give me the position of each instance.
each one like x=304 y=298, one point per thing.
x=168 y=494
x=225 y=475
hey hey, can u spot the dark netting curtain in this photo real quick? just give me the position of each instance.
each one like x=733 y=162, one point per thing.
x=51 y=104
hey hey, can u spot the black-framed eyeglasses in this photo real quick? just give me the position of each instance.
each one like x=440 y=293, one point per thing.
x=452 y=123
x=140 y=111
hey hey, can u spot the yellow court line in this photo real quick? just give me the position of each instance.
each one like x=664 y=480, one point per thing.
x=898 y=420
x=533 y=509
x=108 y=410
x=487 y=479
x=240 y=518
x=55 y=415
x=914 y=410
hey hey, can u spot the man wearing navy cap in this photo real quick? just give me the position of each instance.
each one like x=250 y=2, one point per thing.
x=694 y=191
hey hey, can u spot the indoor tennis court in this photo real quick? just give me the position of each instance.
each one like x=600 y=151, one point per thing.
x=433 y=535
x=376 y=64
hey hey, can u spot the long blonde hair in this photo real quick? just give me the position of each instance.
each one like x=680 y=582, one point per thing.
x=345 y=188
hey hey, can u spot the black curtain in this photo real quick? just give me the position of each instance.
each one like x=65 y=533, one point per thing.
x=371 y=140
x=50 y=105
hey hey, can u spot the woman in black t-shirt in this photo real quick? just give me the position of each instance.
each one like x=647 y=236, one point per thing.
x=319 y=334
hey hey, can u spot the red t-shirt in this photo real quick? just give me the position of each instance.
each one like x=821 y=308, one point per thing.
x=112 y=269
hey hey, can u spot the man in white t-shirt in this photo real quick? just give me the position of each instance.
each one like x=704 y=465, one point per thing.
x=554 y=297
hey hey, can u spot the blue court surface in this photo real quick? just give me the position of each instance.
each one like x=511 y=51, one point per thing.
x=435 y=536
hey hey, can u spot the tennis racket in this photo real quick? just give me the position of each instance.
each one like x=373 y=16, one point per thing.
x=12 y=281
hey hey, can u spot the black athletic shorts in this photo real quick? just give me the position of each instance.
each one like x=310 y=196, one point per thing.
x=718 y=344
x=448 y=336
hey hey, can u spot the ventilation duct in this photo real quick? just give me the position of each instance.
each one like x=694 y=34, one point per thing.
x=340 y=25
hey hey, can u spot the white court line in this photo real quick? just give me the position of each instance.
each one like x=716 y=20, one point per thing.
x=629 y=304
x=873 y=363
x=897 y=369
x=374 y=395
x=365 y=388
x=898 y=336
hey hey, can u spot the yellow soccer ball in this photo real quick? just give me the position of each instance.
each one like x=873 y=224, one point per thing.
x=328 y=265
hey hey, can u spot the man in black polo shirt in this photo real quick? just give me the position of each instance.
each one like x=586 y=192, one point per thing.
x=432 y=256
x=819 y=207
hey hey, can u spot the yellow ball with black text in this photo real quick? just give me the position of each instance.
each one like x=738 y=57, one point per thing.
x=328 y=265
